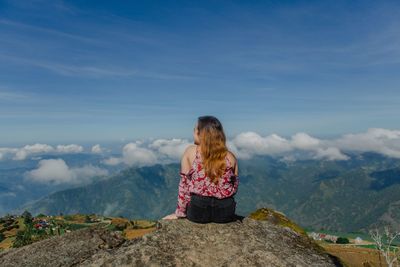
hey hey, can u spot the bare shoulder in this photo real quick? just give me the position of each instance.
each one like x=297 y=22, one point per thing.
x=190 y=148
x=232 y=157
x=190 y=151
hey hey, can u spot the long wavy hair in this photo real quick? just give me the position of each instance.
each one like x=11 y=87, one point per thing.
x=213 y=146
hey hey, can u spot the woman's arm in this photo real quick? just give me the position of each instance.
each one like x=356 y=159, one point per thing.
x=236 y=167
x=236 y=172
x=183 y=189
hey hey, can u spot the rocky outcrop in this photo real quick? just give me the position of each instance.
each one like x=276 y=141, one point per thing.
x=65 y=250
x=265 y=238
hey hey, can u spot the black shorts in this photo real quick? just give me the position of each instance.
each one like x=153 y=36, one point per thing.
x=203 y=209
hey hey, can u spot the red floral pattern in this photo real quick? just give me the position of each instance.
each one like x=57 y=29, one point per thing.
x=196 y=182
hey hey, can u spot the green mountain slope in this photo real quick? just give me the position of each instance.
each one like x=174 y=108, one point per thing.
x=351 y=195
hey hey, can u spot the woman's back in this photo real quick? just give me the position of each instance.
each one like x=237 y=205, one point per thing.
x=195 y=181
x=194 y=151
x=201 y=184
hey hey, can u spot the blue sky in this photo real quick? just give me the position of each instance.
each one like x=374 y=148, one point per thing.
x=82 y=71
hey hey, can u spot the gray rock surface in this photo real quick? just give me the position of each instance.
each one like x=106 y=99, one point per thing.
x=246 y=242
x=66 y=250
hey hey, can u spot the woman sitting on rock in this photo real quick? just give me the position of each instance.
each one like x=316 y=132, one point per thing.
x=209 y=176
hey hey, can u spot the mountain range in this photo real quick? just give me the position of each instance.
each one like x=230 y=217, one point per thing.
x=349 y=195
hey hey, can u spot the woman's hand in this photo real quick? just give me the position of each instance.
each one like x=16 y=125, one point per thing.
x=172 y=216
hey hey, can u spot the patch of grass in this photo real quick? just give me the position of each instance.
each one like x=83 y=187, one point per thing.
x=276 y=217
x=76 y=226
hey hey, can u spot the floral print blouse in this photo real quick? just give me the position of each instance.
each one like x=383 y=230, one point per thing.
x=195 y=181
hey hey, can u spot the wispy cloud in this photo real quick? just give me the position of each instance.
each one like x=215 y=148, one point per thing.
x=59 y=6
x=56 y=33
x=6 y=95
x=94 y=71
x=313 y=67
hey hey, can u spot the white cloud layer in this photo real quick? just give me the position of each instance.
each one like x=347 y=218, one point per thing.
x=245 y=145
x=379 y=140
x=58 y=172
x=5 y=151
x=28 y=150
x=173 y=148
x=97 y=149
x=158 y=151
x=249 y=144
x=134 y=155
x=69 y=148
x=383 y=141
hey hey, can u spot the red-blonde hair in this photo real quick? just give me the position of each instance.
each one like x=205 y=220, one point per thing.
x=213 y=146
